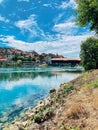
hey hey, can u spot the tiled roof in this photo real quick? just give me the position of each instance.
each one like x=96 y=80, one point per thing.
x=66 y=59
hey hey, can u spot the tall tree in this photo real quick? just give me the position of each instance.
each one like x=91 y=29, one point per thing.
x=88 y=13
x=89 y=53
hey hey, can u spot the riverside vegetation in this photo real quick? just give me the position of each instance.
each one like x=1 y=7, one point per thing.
x=74 y=106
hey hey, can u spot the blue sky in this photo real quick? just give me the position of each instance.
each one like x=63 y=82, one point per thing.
x=41 y=25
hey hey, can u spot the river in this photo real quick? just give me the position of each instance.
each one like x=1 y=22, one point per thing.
x=21 y=88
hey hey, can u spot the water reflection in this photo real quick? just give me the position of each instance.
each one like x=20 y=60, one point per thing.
x=17 y=75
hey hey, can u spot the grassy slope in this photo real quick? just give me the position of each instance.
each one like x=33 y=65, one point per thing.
x=73 y=107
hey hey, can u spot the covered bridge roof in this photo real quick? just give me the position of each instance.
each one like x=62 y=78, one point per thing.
x=65 y=59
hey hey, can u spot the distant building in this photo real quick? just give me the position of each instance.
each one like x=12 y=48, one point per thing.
x=2 y=60
x=48 y=59
x=34 y=53
x=65 y=61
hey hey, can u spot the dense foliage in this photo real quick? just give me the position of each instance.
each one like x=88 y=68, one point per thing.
x=89 y=53
x=88 y=13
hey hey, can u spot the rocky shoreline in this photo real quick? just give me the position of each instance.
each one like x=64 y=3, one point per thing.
x=73 y=106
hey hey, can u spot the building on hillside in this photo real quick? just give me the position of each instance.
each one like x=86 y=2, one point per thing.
x=2 y=60
x=35 y=53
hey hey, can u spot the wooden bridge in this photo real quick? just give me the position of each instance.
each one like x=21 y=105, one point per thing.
x=65 y=61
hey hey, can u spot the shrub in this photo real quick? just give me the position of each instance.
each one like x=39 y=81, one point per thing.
x=37 y=118
x=43 y=115
x=89 y=54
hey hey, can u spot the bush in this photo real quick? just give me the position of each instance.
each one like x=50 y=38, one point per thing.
x=89 y=54
x=37 y=119
x=43 y=115
x=19 y=62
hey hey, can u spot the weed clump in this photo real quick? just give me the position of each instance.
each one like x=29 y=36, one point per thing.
x=43 y=115
x=77 y=111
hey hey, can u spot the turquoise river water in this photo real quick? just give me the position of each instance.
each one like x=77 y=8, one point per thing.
x=21 y=88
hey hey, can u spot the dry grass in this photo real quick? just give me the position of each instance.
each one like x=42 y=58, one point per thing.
x=76 y=111
x=82 y=110
x=95 y=100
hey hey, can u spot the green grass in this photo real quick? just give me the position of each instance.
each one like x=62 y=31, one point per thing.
x=94 y=84
x=67 y=88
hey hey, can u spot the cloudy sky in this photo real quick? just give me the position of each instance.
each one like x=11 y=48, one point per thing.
x=41 y=25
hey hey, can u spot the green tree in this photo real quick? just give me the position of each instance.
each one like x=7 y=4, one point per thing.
x=89 y=53
x=20 y=58
x=88 y=13
x=19 y=62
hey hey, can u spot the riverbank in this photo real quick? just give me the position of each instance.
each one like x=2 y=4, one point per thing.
x=74 y=106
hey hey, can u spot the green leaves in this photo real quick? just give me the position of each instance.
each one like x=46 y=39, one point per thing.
x=88 y=13
x=89 y=53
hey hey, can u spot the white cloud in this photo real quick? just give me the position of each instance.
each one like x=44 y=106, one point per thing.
x=68 y=27
x=30 y=25
x=58 y=18
x=23 y=0
x=26 y=24
x=1 y=1
x=71 y=3
x=47 y=5
x=65 y=45
x=3 y=19
x=65 y=28
x=65 y=25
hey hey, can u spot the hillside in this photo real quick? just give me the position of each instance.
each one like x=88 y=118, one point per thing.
x=15 y=57
x=74 y=106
